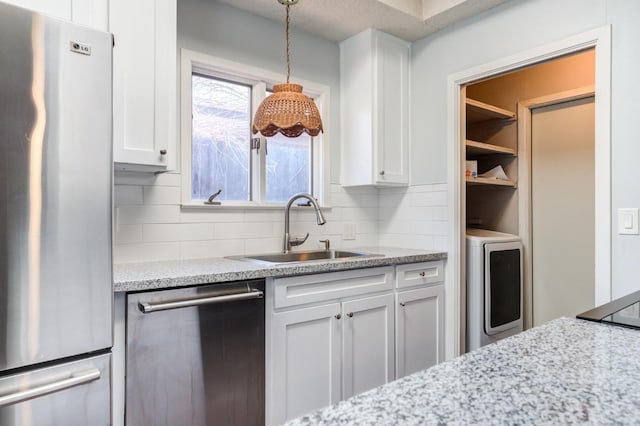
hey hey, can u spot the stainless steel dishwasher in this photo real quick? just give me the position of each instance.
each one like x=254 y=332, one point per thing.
x=195 y=356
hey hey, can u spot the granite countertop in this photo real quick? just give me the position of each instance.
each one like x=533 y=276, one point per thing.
x=160 y=275
x=566 y=371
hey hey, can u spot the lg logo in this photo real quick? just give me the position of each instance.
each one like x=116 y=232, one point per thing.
x=80 y=48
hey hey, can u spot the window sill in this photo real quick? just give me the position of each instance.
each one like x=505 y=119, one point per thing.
x=243 y=206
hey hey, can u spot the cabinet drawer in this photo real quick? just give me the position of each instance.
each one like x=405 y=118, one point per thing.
x=305 y=289
x=416 y=274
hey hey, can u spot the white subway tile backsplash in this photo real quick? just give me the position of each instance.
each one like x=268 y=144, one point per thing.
x=211 y=215
x=333 y=214
x=440 y=213
x=431 y=228
x=420 y=213
x=216 y=248
x=127 y=234
x=127 y=215
x=367 y=201
x=127 y=195
x=146 y=252
x=435 y=198
x=391 y=200
x=401 y=227
x=178 y=232
x=153 y=226
x=263 y=215
x=262 y=245
x=366 y=227
x=244 y=230
x=350 y=214
x=168 y=195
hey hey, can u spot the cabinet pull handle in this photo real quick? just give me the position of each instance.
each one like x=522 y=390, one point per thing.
x=422 y=274
x=163 y=152
x=403 y=304
x=338 y=316
x=350 y=314
x=381 y=172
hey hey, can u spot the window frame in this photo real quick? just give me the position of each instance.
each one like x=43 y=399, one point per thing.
x=260 y=81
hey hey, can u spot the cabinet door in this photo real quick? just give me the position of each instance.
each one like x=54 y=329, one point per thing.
x=420 y=329
x=57 y=8
x=374 y=85
x=144 y=83
x=92 y=13
x=368 y=343
x=305 y=359
x=391 y=111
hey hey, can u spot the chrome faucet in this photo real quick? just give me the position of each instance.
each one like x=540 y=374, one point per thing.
x=291 y=242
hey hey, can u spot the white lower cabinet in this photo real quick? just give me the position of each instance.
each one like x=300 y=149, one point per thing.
x=334 y=335
x=419 y=329
x=305 y=359
x=323 y=354
x=368 y=349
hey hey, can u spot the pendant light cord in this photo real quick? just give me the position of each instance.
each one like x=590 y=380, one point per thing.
x=287 y=38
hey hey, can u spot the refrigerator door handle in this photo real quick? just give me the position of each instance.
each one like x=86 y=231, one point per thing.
x=76 y=379
x=147 y=307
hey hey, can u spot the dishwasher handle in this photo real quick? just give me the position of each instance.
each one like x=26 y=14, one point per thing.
x=150 y=307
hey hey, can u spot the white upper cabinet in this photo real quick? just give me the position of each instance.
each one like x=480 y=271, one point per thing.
x=90 y=13
x=374 y=86
x=144 y=84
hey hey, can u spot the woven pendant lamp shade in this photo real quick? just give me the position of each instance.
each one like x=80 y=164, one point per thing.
x=289 y=112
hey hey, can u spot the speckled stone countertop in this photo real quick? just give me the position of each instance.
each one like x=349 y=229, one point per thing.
x=159 y=275
x=567 y=371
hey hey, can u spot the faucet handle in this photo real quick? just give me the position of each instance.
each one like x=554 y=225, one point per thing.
x=327 y=244
x=298 y=241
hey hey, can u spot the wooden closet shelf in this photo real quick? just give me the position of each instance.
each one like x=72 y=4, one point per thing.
x=479 y=111
x=490 y=181
x=481 y=148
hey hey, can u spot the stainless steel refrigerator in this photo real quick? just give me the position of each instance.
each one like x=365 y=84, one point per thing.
x=56 y=299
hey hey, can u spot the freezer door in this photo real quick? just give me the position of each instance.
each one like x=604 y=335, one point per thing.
x=74 y=393
x=55 y=189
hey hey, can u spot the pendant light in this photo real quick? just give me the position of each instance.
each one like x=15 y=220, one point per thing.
x=287 y=110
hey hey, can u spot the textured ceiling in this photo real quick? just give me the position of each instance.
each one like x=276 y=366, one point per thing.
x=339 y=19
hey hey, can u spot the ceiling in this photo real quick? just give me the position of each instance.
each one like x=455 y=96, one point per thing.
x=337 y=20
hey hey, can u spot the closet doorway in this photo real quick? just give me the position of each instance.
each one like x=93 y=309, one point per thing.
x=458 y=84
x=549 y=201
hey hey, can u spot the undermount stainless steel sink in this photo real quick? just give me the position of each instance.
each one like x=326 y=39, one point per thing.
x=302 y=256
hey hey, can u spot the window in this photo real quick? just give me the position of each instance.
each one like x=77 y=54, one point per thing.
x=219 y=152
x=220 y=124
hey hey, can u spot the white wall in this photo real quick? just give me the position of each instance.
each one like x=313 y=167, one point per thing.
x=514 y=27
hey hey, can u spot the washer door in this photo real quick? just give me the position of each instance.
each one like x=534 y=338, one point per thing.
x=502 y=286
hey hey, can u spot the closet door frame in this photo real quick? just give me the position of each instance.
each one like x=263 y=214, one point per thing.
x=600 y=39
